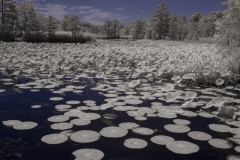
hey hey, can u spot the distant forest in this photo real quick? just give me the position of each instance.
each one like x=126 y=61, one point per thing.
x=19 y=21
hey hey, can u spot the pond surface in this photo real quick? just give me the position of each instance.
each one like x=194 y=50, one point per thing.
x=16 y=102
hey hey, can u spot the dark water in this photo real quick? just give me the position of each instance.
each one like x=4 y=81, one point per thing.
x=14 y=105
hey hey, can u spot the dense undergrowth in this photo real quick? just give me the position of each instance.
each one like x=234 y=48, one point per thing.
x=59 y=37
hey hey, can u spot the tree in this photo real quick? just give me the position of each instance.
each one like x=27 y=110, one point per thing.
x=6 y=9
x=42 y=22
x=27 y=17
x=160 y=21
x=73 y=25
x=206 y=27
x=215 y=16
x=115 y=29
x=51 y=25
x=127 y=29
x=106 y=27
x=8 y=23
x=139 y=29
x=86 y=27
x=97 y=29
x=148 y=29
x=194 y=29
x=229 y=25
x=183 y=28
x=64 y=23
x=196 y=17
x=173 y=26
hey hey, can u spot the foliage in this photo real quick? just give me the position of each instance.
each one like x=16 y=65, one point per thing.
x=51 y=25
x=160 y=21
x=177 y=27
x=27 y=17
x=112 y=29
x=229 y=24
x=73 y=25
x=42 y=22
x=139 y=29
x=60 y=37
x=64 y=23
x=8 y=12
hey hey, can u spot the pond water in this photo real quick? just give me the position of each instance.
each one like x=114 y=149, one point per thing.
x=16 y=102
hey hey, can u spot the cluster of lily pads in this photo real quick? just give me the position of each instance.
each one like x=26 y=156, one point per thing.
x=126 y=75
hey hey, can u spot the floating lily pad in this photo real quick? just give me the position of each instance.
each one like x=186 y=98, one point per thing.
x=56 y=98
x=85 y=136
x=220 y=143
x=143 y=131
x=54 y=138
x=61 y=126
x=88 y=154
x=182 y=147
x=201 y=136
x=161 y=139
x=25 y=125
x=11 y=123
x=219 y=127
x=128 y=125
x=59 y=118
x=80 y=122
x=181 y=121
x=175 y=128
x=135 y=143
x=90 y=116
x=113 y=132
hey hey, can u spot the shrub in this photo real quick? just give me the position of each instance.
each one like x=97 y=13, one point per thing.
x=6 y=36
x=64 y=37
x=35 y=37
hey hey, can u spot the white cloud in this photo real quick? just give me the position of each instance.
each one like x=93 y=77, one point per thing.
x=143 y=11
x=73 y=8
x=81 y=7
x=86 y=13
x=119 y=9
x=83 y=12
x=97 y=16
x=58 y=11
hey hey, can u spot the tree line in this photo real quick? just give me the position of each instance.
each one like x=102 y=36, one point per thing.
x=19 y=20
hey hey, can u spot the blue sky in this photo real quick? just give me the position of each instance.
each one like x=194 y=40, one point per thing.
x=98 y=11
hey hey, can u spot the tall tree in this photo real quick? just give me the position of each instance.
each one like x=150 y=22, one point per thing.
x=107 y=25
x=6 y=9
x=139 y=29
x=229 y=25
x=194 y=29
x=8 y=23
x=116 y=27
x=42 y=22
x=148 y=29
x=183 y=28
x=196 y=17
x=51 y=25
x=27 y=17
x=127 y=29
x=160 y=21
x=86 y=27
x=173 y=26
x=65 y=23
x=74 y=25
